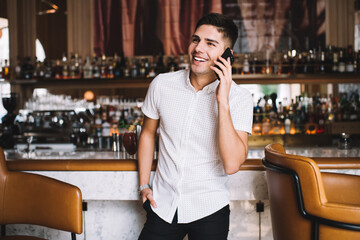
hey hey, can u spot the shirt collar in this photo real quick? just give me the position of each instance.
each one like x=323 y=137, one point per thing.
x=210 y=88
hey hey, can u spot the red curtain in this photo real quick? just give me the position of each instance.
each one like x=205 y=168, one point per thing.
x=128 y=25
x=147 y=27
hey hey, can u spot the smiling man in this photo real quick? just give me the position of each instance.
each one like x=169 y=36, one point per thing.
x=204 y=124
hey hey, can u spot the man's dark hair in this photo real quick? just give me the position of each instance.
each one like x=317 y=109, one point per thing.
x=223 y=23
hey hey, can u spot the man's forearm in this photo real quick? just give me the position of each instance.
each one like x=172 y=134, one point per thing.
x=145 y=157
x=233 y=148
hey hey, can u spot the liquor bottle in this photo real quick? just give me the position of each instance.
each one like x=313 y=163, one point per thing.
x=96 y=67
x=322 y=62
x=246 y=65
x=266 y=125
x=65 y=67
x=160 y=67
x=255 y=66
x=48 y=69
x=172 y=65
x=335 y=62
x=300 y=63
x=18 y=68
x=57 y=70
x=311 y=61
x=72 y=70
x=152 y=72
x=27 y=69
x=184 y=62
x=123 y=65
x=267 y=53
x=257 y=119
x=88 y=69
x=146 y=67
x=142 y=68
x=39 y=72
x=110 y=68
x=341 y=64
x=349 y=60
x=134 y=68
x=103 y=67
x=6 y=70
x=126 y=68
x=78 y=71
x=117 y=67
x=329 y=59
x=285 y=64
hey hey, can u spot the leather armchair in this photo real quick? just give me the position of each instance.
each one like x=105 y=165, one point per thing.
x=308 y=204
x=27 y=198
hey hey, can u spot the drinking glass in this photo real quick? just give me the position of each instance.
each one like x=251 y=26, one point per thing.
x=130 y=142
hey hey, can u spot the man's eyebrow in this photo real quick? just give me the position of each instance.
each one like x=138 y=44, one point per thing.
x=207 y=39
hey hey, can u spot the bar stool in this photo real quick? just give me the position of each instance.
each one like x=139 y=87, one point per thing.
x=27 y=198
x=308 y=204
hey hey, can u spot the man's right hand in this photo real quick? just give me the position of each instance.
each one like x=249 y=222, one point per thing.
x=147 y=194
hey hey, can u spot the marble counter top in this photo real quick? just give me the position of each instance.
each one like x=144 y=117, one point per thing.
x=63 y=160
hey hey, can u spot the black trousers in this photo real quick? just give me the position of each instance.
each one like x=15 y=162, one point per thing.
x=212 y=227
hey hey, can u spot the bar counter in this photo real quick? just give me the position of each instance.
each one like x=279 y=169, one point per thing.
x=109 y=182
x=45 y=160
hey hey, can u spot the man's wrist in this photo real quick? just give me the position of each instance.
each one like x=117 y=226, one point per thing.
x=144 y=186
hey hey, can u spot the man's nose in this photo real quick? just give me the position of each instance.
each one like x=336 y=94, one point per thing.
x=200 y=46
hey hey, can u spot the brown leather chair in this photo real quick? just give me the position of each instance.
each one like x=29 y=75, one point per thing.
x=308 y=204
x=27 y=198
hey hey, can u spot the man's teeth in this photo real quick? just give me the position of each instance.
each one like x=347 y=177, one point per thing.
x=199 y=59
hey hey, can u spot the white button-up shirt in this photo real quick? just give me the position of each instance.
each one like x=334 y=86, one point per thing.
x=190 y=176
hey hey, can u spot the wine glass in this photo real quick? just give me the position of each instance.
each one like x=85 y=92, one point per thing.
x=130 y=142
x=10 y=104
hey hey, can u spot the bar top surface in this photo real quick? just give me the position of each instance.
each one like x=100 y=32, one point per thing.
x=45 y=160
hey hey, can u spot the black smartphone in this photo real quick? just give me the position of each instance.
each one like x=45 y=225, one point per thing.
x=227 y=54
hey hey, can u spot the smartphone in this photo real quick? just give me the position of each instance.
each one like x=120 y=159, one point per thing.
x=227 y=54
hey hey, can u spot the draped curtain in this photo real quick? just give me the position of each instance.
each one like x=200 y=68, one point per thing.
x=128 y=25
x=148 y=27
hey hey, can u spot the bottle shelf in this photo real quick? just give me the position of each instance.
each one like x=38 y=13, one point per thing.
x=240 y=79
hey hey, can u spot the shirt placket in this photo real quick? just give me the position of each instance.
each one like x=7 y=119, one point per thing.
x=185 y=141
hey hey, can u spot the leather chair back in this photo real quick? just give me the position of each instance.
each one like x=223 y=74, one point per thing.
x=304 y=212
x=28 y=198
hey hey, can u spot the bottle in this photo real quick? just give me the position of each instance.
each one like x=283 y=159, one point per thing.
x=341 y=64
x=117 y=67
x=184 y=62
x=349 y=60
x=257 y=119
x=27 y=69
x=246 y=65
x=322 y=62
x=110 y=68
x=142 y=69
x=18 y=69
x=160 y=67
x=6 y=70
x=267 y=53
x=123 y=65
x=134 y=68
x=172 y=65
x=65 y=67
x=285 y=64
x=78 y=71
x=335 y=62
x=88 y=69
x=103 y=67
x=48 y=69
x=96 y=68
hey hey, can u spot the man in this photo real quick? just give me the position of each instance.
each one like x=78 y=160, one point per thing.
x=204 y=125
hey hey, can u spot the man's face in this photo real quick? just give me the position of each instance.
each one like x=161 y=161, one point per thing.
x=207 y=44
